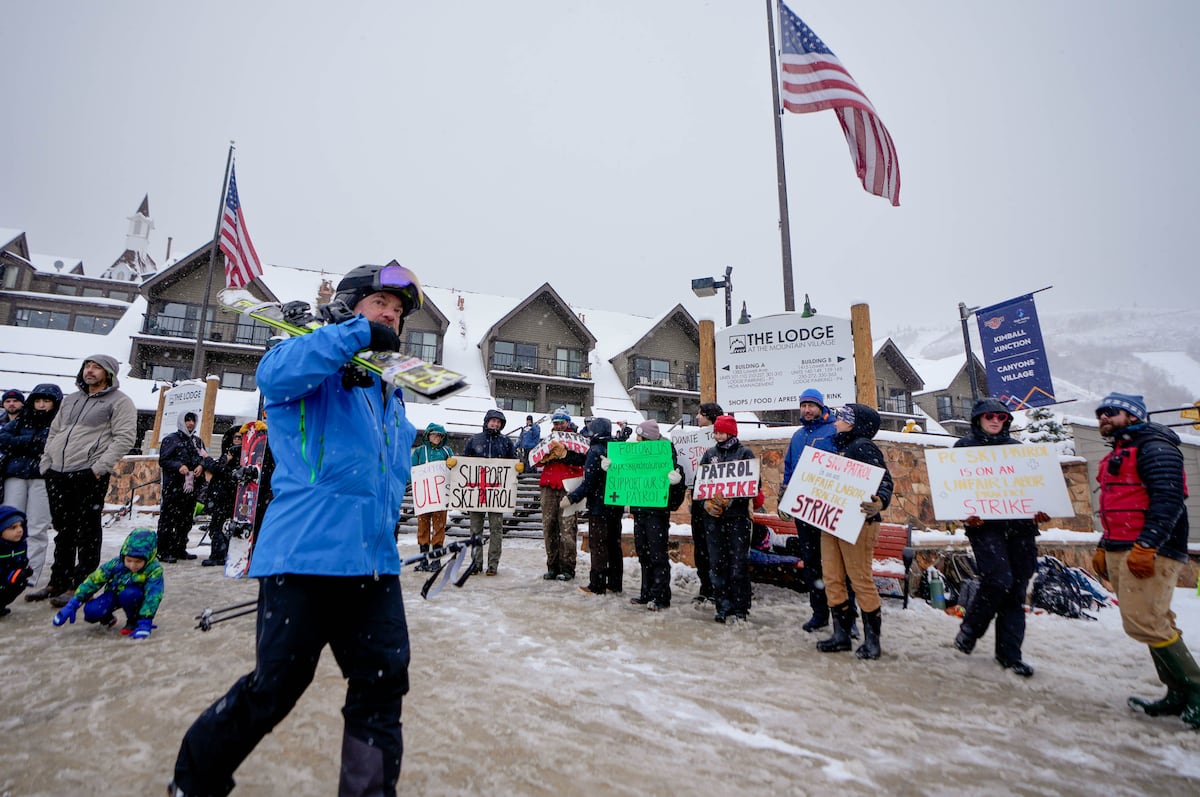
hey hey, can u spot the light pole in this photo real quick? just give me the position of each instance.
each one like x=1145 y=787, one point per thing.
x=708 y=286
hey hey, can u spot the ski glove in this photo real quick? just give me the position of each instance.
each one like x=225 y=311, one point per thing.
x=872 y=507
x=715 y=506
x=1041 y=517
x=782 y=515
x=18 y=576
x=520 y=467
x=383 y=338
x=143 y=628
x=67 y=613
x=1099 y=563
x=674 y=477
x=1141 y=561
x=605 y=463
x=451 y=462
x=973 y=522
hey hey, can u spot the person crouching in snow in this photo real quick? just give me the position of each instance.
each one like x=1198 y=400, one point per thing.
x=132 y=581
x=14 y=556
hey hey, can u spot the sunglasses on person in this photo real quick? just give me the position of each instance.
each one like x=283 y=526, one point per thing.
x=1107 y=412
x=997 y=416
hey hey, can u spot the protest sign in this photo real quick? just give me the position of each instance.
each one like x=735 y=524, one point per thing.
x=570 y=440
x=571 y=485
x=690 y=445
x=736 y=479
x=826 y=490
x=483 y=485
x=637 y=474
x=996 y=482
x=430 y=487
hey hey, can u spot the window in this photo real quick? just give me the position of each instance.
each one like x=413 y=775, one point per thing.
x=422 y=345
x=236 y=380
x=515 y=404
x=569 y=362
x=91 y=292
x=64 y=290
x=9 y=277
x=41 y=319
x=945 y=408
x=178 y=319
x=250 y=331
x=93 y=324
x=652 y=372
x=169 y=373
x=512 y=356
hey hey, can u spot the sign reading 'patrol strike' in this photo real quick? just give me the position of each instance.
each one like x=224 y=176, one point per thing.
x=768 y=363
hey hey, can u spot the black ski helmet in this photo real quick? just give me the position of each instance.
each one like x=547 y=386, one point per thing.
x=392 y=278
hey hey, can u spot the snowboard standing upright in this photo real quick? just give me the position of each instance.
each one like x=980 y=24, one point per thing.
x=240 y=527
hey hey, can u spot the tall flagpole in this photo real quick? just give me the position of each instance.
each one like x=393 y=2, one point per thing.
x=785 y=233
x=198 y=351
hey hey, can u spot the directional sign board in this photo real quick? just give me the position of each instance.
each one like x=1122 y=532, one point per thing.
x=767 y=363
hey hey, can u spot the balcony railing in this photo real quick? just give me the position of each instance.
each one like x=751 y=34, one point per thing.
x=901 y=405
x=423 y=351
x=672 y=380
x=955 y=412
x=540 y=366
x=217 y=331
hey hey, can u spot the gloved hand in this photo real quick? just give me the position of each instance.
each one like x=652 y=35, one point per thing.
x=782 y=515
x=760 y=499
x=520 y=466
x=715 y=506
x=451 y=462
x=67 y=613
x=556 y=451
x=335 y=312
x=674 y=477
x=18 y=575
x=298 y=313
x=973 y=522
x=143 y=628
x=564 y=502
x=605 y=463
x=1099 y=563
x=1141 y=561
x=383 y=338
x=1041 y=517
x=873 y=507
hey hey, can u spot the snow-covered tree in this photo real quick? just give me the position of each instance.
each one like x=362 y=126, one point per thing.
x=1044 y=425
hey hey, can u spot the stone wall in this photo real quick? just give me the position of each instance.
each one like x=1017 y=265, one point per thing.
x=131 y=472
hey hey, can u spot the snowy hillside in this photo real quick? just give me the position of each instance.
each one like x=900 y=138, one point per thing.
x=1092 y=352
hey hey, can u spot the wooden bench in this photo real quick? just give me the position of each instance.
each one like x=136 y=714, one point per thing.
x=894 y=543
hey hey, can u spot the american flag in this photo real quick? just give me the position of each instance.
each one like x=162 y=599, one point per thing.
x=815 y=80
x=241 y=261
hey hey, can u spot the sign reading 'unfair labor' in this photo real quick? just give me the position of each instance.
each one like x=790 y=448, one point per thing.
x=736 y=479
x=478 y=484
x=767 y=363
x=826 y=490
x=996 y=482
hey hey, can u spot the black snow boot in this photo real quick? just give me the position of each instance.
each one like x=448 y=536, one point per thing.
x=869 y=649
x=425 y=564
x=843 y=618
x=820 y=610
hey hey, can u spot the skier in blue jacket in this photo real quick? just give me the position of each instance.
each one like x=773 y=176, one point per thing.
x=325 y=557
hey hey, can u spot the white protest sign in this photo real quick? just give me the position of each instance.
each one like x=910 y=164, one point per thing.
x=767 y=363
x=826 y=490
x=181 y=399
x=736 y=479
x=570 y=440
x=571 y=485
x=690 y=445
x=478 y=484
x=995 y=482
x=430 y=487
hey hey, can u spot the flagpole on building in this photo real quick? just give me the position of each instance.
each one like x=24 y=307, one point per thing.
x=785 y=233
x=198 y=351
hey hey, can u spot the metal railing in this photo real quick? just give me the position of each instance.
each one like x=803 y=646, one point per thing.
x=172 y=326
x=672 y=380
x=899 y=404
x=542 y=366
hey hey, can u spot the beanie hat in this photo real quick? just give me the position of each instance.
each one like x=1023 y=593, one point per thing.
x=561 y=416
x=725 y=424
x=10 y=515
x=14 y=393
x=1133 y=404
x=648 y=430
x=845 y=414
x=812 y=396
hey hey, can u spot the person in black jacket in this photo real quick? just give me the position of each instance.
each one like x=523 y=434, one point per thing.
x=651 y=527
x=220 y=494
x=181 y=462
x=491 y=443
x=727 y=530
x=1005 y=555
x=705 y=415
x=856 y=425
x=22 y=443
x=606 y=573
x=1143 y=487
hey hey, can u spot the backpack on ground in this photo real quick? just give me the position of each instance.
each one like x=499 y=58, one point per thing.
x=1055 y=589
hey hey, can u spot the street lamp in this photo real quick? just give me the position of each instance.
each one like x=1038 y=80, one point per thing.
x=708 y=286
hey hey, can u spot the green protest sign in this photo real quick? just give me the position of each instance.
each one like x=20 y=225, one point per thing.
x=637 y=475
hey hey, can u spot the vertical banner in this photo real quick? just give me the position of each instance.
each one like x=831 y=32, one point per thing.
x=637 y=474
x=1014 y=356
x=430 y=487
x=478 y=484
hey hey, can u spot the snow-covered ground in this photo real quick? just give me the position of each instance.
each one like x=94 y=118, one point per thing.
x=527 y=687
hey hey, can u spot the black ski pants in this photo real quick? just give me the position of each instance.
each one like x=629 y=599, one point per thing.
x=76 y=504
x=175 y=517
x=700 y=550
x=607 y=569
x=728 y=540
x=362 y=620
x=650 y=533
x=1006 y=560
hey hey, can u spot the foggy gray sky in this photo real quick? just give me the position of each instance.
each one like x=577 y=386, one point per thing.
x=619 y=148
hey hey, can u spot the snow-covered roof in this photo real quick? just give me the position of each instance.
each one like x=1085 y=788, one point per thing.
x=46 y=264
x=8 y=235
x=937 y=374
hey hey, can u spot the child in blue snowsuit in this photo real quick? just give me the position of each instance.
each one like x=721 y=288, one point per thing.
x=132 y=581
x=14 y=556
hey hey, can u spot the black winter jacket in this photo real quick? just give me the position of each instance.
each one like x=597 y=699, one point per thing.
x=856 y=444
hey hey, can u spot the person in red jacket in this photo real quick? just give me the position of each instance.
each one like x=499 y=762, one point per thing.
x=1144 y=546
x=559 y=529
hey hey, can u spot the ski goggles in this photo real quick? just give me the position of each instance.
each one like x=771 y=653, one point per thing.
x=395 y=278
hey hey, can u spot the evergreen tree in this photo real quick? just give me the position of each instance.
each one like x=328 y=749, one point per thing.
x=1045 y=426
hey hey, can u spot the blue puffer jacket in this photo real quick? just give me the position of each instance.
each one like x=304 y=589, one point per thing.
x=23 y=441
x=342 y=460
x=817 y=433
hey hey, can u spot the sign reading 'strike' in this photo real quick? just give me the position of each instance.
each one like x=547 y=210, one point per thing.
x=994 y=482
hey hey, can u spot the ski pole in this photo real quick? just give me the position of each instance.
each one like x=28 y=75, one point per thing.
x=207 y=620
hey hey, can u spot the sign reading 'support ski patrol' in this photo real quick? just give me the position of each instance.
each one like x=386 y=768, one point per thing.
x=478 y=484
x=767 y=363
